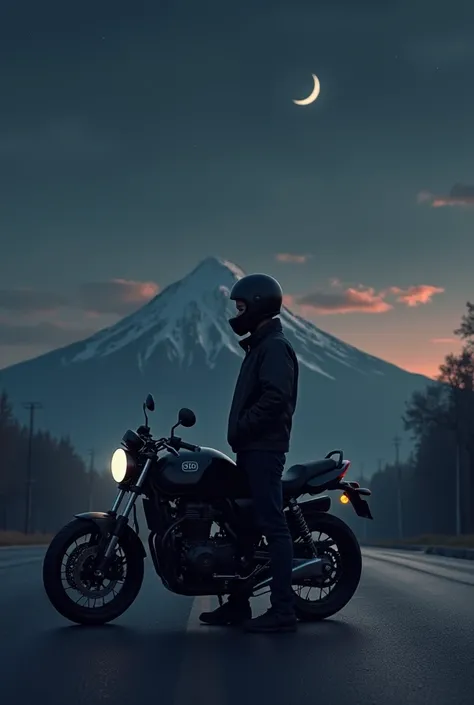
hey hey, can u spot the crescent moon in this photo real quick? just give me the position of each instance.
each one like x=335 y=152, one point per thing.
x=313 y=95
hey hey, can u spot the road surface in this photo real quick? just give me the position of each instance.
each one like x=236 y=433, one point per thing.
x=406 y=637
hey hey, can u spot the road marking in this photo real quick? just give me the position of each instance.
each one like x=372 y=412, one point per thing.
x=199 y=679
x=433 y=569
x=200 y=604
x=23 y=546
x=16 y=564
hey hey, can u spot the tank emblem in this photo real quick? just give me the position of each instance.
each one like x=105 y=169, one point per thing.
x=189 y=466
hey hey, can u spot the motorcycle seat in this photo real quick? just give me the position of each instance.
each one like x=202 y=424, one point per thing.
x=296 y=476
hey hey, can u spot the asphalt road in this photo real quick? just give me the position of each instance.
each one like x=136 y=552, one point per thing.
x=406 y=637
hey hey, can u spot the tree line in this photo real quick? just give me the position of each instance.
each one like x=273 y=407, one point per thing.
x=432 y=491
x=61 y=483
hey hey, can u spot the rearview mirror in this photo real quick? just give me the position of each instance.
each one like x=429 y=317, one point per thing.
x=150 y=403
x=186 y=417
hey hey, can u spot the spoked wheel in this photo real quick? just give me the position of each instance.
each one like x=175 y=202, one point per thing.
x=339 y=549
x=69 y=581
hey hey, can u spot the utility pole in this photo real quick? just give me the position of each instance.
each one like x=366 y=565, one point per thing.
x=3 y=512
x=458 y=488
x=364 y=521
x=32 y=406
x=396 y=443
x=91 y=479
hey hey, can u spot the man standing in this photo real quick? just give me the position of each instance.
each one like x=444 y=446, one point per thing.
x=259 y=432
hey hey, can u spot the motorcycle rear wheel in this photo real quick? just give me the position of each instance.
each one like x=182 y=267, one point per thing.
x=349 y=558
x=57 y=585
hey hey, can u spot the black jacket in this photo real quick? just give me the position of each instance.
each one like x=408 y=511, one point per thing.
x=265 y=393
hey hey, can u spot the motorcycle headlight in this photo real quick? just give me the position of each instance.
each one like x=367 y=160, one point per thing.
x=121 y=465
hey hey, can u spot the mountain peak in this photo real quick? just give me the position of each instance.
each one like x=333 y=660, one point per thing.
x=212 y=268
x=192 y=311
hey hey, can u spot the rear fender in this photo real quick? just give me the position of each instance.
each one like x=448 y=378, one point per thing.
x=105 y=522
x=314 y=506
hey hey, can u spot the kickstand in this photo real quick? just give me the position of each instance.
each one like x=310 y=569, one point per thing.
x=221 y=601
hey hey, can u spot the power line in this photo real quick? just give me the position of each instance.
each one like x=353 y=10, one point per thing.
x=32 y=407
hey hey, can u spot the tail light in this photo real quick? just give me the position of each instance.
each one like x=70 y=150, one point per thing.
x=345 y=467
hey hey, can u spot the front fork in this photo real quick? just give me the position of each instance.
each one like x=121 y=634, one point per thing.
x=121 y=520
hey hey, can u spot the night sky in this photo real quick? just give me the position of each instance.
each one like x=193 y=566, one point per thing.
x=138 y=138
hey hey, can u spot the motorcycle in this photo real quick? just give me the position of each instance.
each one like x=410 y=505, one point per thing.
x=203 y=537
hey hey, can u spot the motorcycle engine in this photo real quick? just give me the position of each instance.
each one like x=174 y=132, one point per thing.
x=207 y=557
x=203 y=554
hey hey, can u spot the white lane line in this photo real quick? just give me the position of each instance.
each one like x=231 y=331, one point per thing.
x=22 y=547
x=435 y=570
x=430 y=559
x=16 y=564
x=199 y=679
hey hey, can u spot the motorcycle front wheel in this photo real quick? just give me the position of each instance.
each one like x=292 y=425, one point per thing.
x=337 y=545
x=68 y=576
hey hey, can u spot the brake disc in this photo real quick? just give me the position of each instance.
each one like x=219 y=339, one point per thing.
x=85 y=586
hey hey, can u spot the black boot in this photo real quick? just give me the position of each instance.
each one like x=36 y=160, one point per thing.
x=272 y=621
x=230 y=613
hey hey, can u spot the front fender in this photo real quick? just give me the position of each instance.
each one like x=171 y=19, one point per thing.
x=106 y=522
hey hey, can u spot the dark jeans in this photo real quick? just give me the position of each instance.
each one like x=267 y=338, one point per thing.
x=264 y=470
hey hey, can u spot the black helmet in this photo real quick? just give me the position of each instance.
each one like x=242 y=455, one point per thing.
x=263 y=298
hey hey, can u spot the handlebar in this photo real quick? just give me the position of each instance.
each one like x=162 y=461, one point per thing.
x=189 y=446
x=177 y=443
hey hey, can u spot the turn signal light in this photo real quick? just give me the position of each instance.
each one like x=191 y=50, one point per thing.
x=344 y=499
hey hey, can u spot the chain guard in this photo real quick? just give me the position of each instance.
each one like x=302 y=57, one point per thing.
x=331 y=564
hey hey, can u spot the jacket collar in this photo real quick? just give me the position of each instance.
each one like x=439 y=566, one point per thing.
x=273 y=326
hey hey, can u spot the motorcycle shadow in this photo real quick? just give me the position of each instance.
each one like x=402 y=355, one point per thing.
x=330 y=633
x=128 y=662
x=171 y=656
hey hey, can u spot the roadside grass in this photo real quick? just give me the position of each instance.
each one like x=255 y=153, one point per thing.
x=17 y=538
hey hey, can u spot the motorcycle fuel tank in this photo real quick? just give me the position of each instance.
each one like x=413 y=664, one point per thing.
x=206 y=474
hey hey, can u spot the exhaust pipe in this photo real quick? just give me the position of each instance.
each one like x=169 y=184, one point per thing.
x=305 y=569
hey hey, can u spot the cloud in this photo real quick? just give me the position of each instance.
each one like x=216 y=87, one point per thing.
x=118 y=296
x=461 y=195
x=43 y=333
x=288 y=258
x=360 y=299
x=42 y=320
x=363 y=300
x=416 y=295
x=25 y=301
x=443 y=341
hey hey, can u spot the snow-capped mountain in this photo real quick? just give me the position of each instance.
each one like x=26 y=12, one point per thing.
x=194 y=312
x=181 y=348
x=191 y=312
